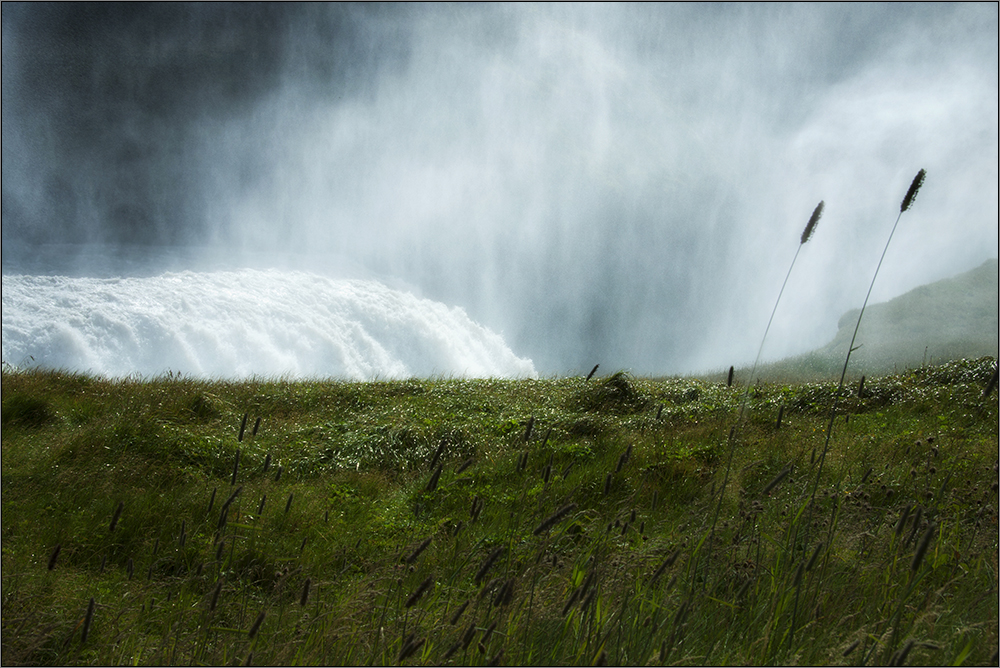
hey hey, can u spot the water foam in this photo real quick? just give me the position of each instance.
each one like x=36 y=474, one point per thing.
x=236 y=324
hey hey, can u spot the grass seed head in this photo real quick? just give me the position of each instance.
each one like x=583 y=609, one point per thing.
x=433 y=482
x=555 y=517
x=659 y=571
x=256 y=625
x=118 y=514
x=922 y=546
x=437 y=454
x=215 y=595
x=911 y=194
x=458 y=613
x=899 y=658
x=488 y=632
x=488 y=564
x=87 y=620
x=504 y=594
x=410 y=647
x=421 y=590
x=420 y=548
x=811 y=225
x=777 y=479
x=470 y=633
x=232 y=497
x=451 y=650
x=905 y=515
x=304 y=598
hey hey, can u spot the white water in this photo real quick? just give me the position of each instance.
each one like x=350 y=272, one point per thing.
x=244 y=323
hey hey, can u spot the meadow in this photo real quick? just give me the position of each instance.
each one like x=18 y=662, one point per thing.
x=603 y=520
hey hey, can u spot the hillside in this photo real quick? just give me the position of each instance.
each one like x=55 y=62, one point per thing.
x=950 y=319
x=499 y=522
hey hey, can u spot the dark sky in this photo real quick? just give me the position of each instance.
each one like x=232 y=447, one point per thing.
x=613 y=184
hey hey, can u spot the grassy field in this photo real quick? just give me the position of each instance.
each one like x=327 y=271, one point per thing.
x=446 y=521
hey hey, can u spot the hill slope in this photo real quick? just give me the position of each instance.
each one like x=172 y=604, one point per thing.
x=949 y=319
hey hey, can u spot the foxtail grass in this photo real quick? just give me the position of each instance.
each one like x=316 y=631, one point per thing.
x=87 y=621
x=117 y=516
x=458 y=613
x=553 y=519
x=433 y=482
x=488 y=564
x=256 y=625
x=420 y=591
x=418 y=551
x=735 y=431
x=437 y=454
x=304 y=597
x=911 y=194
x=409 y=647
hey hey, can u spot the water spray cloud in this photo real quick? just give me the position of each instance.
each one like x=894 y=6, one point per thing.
x=601 y=183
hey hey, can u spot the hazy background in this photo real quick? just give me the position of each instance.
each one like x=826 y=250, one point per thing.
x=622 y=184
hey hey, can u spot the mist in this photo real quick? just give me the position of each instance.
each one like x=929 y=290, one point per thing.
x=611 y=184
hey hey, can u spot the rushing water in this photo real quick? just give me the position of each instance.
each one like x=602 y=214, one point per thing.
x=620 y=183
x=244 y=323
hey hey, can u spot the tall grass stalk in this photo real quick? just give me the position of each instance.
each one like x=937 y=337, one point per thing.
x=911 y=194
x=807 y=233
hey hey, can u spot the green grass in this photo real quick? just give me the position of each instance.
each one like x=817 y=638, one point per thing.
x=328 y=570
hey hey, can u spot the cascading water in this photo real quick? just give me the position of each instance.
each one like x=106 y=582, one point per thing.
x=244 y=323
x=599 y=183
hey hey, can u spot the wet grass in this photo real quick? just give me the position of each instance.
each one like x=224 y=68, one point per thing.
x=425 y=522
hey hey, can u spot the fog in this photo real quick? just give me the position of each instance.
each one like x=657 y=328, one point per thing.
x=613 y=184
